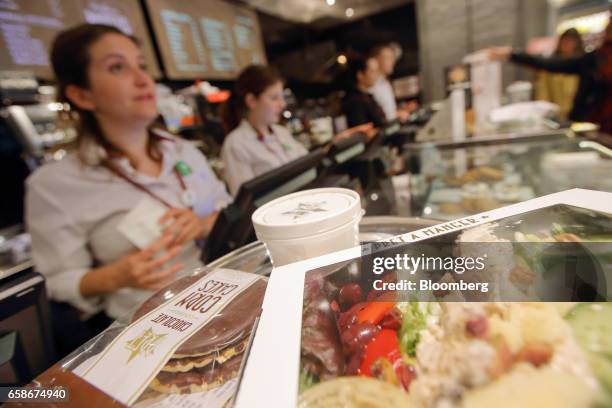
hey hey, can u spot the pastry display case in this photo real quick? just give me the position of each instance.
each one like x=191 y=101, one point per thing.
x=455 y=182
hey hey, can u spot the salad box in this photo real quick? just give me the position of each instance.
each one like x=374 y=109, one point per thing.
x=359 y=328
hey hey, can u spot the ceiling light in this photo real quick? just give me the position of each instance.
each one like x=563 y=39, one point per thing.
x=349 y=12
x=341 y=59
x=330 y=2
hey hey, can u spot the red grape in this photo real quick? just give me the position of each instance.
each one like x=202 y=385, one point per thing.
x=350 y=294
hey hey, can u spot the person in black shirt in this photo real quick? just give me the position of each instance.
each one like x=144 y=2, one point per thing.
x=358 y=105
x=593 y=100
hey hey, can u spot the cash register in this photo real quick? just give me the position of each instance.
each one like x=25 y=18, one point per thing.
x=40 y=125
x=27 y=132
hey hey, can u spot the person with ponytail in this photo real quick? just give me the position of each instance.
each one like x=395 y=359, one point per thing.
x=255 y=142
x=120 y=215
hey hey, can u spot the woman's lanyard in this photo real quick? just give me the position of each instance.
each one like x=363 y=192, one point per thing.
x=180 y=169
x=261 y=138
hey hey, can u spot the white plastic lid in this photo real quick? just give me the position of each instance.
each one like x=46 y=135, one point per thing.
x=305 y=213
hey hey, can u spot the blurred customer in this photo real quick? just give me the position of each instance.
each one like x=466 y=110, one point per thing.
x=256 y=143
x=387 y=55
x=358 y=104
x=75 y=208
x=593 y=100
x=561 y=88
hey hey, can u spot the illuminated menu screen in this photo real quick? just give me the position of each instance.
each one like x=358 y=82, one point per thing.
x=28 y=27
x=205 y=39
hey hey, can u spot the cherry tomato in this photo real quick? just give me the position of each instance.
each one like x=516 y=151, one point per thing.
x=384 y=345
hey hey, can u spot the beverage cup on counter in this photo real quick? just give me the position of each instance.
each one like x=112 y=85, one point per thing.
x=308 y=224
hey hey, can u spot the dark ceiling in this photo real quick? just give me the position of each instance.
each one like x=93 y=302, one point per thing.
x=323 y=12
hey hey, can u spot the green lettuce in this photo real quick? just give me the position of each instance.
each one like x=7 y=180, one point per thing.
x=414 y=319
x=306 y=380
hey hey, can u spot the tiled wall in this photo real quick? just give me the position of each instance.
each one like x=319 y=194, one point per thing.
x=450 y=29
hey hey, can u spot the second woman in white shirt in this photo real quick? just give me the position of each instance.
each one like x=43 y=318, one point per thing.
x=256 y=143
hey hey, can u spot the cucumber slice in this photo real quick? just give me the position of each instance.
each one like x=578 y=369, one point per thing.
x=592 y=324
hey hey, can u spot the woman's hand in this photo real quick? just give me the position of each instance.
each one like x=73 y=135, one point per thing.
x=184 y=225
x=499 y=53
x=367 y=128
x=209 y=222
x=143 y=269
x=146 y=269
x=405 y=110
x=372 y=133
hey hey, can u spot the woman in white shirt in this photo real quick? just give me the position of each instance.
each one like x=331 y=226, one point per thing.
x=255 y=142
x=93 y=255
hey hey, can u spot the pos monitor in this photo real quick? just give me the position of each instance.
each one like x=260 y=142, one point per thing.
x=346 y=149
x=234 y=228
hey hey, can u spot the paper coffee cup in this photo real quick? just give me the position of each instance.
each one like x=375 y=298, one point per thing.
x=308 y=224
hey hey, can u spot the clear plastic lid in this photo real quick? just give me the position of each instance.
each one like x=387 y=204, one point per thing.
x=305 y=213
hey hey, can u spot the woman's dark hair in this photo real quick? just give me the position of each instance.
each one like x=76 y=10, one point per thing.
x=254 y=79
x=571 y=33
x=70 y=60
x=355 y=65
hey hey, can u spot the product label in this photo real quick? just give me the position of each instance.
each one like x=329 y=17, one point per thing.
x=133 y=359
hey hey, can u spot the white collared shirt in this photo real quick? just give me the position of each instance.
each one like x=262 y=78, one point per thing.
x=73 y=210
x=383 y=94
x=245 y=156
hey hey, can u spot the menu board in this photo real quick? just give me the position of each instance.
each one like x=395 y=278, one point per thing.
x=206 y=40
x=27 y=29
